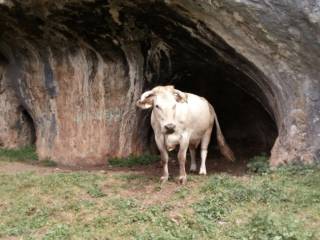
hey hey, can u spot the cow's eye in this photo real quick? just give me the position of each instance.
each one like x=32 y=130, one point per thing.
x=157 y=106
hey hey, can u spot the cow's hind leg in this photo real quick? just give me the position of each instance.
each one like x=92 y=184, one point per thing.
x=193 y=165
x=204 y=151
x=182 y=162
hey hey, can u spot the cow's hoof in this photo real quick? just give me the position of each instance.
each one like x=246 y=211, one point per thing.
x=164 y=179
x=203 y=172
x=193 y=168
x=183 y=180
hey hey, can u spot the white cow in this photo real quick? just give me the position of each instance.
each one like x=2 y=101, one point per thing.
x=183 y=119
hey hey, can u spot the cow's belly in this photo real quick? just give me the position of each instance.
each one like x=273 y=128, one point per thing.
x=171 y=141
x=196 y=137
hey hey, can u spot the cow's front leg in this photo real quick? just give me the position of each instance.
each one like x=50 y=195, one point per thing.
x=182 y=163
x=164 y=159
x=164 y=156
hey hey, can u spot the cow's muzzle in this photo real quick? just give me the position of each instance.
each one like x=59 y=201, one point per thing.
x=170 y=128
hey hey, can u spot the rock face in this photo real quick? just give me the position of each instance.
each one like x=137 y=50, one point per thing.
x=82 y=101
x=16 y=126
x=78 y=67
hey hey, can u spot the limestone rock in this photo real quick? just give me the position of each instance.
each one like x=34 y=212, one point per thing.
x=77 y=68
x=16 y=128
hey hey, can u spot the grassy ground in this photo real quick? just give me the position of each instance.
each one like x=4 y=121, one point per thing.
x=131 y=204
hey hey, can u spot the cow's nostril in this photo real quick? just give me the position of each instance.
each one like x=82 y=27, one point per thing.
x=170 y=127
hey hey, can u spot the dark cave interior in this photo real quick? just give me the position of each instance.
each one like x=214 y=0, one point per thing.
x=27 y=120
x=204 y=64
x=248 y=127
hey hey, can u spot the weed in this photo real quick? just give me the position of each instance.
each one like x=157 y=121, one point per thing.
x=131 y=177
x=48 y=163
x=134 y=181
x=213 y=208
x=265 y=226
x=297 y=169
x=259 y=164
x=219 y=193
x=26 y=154
x=59 y=231
x=95 y=192
x=182 y=192
x=132 y=161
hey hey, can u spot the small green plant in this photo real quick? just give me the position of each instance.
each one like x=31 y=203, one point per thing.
x=264 y=226
x=213 y=208
x=59 y=231
x=27 y=154
x=221 y=194
x=259 y=164
x=132 y=161
x=182 y=192
x=297 y=169
x=48 y=163
x=95 y=191
x=133 y=177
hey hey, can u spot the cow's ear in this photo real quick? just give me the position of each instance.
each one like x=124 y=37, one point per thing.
x=180 y=96
x=146 y=100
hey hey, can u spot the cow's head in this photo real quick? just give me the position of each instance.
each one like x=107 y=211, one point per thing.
x=163 y=100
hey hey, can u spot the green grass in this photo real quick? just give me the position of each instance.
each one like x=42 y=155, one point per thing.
x=259 y=164
x=266 y=225
x=132 y=161
x=25 y=154
x=48 y=163
x=279 y=205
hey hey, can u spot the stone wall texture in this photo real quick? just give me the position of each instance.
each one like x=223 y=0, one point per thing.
x=76 y=69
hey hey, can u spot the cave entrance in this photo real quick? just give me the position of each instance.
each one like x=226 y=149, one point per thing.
x=195 y=59
x=247 y=123
x=29 y=130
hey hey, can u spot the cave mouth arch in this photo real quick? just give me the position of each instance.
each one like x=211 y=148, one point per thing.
x=202 y=62
x=246 y=117
x=248 y=127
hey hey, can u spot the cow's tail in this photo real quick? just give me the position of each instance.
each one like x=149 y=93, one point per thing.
x=223 y=146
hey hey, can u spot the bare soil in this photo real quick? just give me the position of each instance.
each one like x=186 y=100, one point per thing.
x=214 y=165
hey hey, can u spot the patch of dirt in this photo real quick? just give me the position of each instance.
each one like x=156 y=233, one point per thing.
x=214 y=165
x=19 y=167
x=161 y=195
